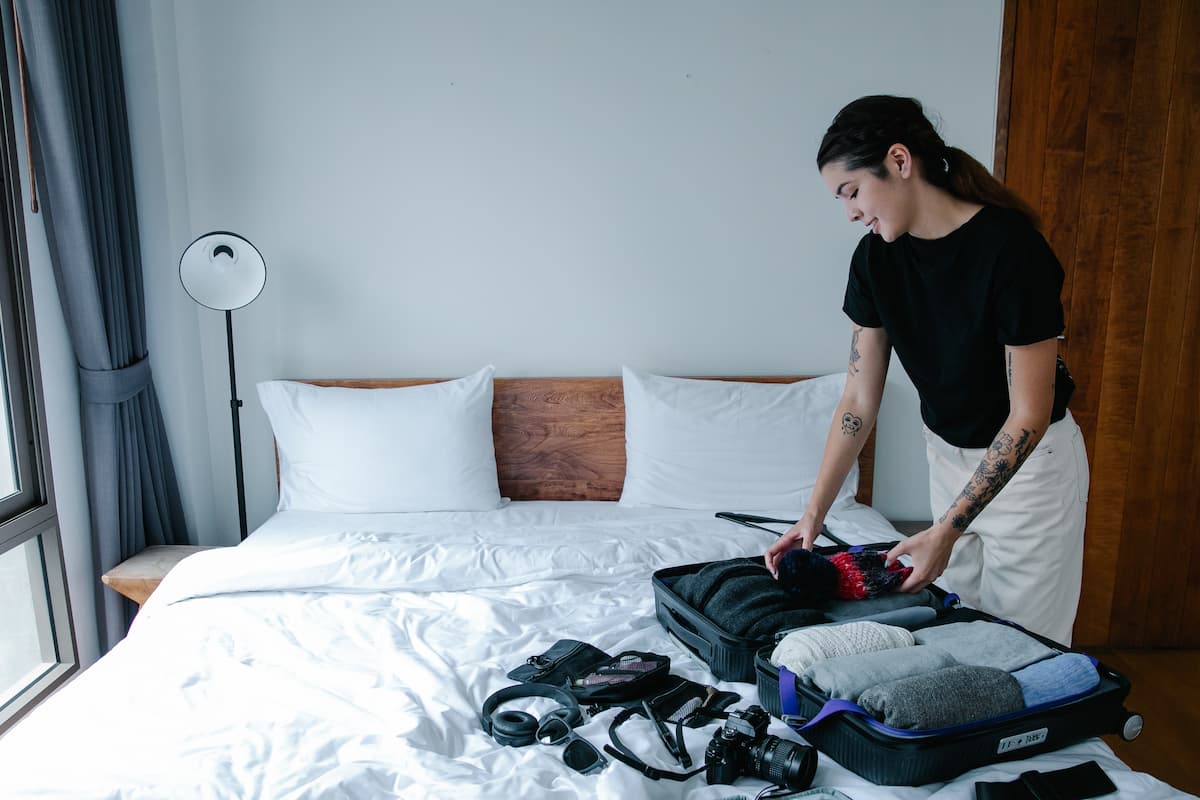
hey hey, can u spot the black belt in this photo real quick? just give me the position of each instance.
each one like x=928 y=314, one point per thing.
x=1073 y=783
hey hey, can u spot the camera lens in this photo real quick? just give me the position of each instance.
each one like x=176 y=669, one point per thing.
x=787 y=763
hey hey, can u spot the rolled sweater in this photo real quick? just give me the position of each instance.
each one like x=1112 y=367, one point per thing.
x=847 y=677
x=740 y=597
x=944 y=698
x=986 y=644
x=800 y=649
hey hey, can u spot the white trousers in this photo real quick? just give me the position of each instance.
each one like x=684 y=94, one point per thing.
x=1022 y=557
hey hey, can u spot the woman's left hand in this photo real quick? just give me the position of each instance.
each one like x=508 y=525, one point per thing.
x=930 y=551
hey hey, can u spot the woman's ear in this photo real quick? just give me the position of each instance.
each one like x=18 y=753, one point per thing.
x=900 y=161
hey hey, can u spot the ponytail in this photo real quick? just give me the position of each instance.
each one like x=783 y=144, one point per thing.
x=863 y=131
x=969 y=180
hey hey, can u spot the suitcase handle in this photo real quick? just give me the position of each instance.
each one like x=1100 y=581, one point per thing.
x=752 y=520
x=688 y=635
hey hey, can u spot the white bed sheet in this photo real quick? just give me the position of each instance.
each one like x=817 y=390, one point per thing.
x=347 y=656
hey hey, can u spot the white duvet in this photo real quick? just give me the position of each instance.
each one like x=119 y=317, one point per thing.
x=347 y=656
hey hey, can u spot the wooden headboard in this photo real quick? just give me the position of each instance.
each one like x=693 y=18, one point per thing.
x=564 y=438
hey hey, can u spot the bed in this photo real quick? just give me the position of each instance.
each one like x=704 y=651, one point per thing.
x=347 y=654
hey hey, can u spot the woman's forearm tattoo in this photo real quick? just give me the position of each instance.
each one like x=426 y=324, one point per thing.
x=1002 y=460
x=851 y=424
x=854 y=356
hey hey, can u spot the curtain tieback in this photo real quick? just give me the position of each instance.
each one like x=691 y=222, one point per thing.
x=114 y=385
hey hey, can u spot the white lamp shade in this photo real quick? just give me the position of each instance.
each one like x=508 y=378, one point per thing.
x=222 y=270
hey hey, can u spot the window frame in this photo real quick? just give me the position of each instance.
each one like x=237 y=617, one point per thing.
x=16 y=369
x=30 y=513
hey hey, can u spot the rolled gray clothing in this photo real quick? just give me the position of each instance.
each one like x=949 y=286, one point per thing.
x=847 y=677
x=945 y=698
x=697 y=588
x=767 y=626
x=858 y=609
x=740 y=597
x=909 y=618
x=986 y=644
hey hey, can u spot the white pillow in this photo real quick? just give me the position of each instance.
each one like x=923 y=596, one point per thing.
x=727 y=445
x=416 y=448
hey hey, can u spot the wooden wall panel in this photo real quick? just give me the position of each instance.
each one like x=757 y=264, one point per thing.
x=1102 y=132
x=1127 y=485
x=1095 y=253
x=1066 y=133
x=1184 y=476
x=1108 y=111
x=1172 y=409
x=1033 y=47
x=1008 y=35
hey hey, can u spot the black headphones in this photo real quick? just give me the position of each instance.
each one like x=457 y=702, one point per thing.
x=519 y=728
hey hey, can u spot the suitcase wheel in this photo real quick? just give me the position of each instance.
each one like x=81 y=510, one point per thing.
x=1132 y=727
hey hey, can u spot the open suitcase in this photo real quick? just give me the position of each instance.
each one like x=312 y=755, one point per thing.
x=730 y=657
x=879 y=753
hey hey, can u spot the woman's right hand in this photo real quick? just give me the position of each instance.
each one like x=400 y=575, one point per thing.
x=802 y=534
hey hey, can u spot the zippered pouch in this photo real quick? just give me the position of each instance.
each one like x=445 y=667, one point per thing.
x=566 y=660
x=630 y=675
x=595 y=677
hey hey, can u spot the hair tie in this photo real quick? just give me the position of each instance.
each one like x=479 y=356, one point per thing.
x=945 y=164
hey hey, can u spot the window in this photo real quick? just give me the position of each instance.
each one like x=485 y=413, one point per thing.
x=37 y=642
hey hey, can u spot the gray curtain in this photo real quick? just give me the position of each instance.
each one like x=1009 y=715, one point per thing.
x=81 y=159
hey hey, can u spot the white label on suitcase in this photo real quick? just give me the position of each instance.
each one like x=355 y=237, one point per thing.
x=1028 y=739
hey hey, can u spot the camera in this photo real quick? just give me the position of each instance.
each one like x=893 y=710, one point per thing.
x=743 y=747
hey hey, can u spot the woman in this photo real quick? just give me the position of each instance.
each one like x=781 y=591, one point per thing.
x=956 y=277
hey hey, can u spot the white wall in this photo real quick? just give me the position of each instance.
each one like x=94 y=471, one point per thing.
x=556 y=188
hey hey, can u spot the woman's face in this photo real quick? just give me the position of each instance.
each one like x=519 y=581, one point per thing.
x=882 y=204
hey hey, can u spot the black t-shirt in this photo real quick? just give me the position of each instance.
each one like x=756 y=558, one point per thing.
x=950 y=305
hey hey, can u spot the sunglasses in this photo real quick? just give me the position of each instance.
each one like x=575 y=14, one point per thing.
x=579 y=754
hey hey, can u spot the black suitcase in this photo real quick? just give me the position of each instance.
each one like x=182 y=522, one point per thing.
x=885 y=755
x=730 y=657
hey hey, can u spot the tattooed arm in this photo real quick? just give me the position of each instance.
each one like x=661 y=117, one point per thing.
x=1030 y=373
x=870 y=353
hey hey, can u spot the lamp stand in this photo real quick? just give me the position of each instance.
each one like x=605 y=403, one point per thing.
x=234 y=405
x=223 y=271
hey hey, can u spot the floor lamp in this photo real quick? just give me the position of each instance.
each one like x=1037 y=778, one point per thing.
x=223 y=271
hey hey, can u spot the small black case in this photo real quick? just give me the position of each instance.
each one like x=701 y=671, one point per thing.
x=593 y=676
x=566 y=659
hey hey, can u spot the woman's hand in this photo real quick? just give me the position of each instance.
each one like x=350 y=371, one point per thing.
x=930 y=551
x=801 y=534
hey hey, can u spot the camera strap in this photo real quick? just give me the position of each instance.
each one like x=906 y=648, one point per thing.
x=621 y=753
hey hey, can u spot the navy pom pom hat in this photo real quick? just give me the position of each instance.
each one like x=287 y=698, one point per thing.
x=808 y=577
x=813 y=579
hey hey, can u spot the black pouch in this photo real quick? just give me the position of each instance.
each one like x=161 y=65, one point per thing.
x=566 y=660
x=682 y=701
x=593 y=676
x=630 y=676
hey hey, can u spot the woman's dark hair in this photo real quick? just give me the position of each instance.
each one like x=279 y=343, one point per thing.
x=863 y=131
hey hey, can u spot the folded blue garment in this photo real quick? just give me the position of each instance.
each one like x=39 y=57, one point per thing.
x=1056 y=678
